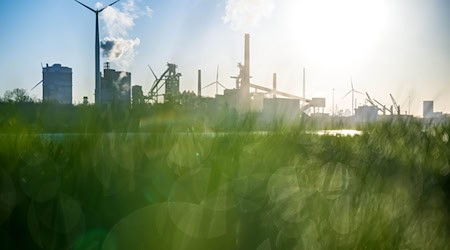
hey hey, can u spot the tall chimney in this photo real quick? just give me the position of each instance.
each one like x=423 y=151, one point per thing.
x=246 y=77
x=199 y=90
x=274 y=85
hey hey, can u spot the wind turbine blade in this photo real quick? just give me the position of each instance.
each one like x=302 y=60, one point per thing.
x=356 y=91
x=346 y=94
x=85 y=6
x=221 y=85
x=42 y=66
x=209 y=85
x=153 y=72
x=351 y=82
x=114 y=3
x=108 y=6
x=36 y=85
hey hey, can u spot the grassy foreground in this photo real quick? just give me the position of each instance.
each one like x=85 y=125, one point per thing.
x=386 y=189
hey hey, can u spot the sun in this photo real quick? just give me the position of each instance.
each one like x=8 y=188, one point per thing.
x=337 y=31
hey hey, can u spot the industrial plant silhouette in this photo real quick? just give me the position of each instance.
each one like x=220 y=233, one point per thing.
x=114 y=88
x=251 y=168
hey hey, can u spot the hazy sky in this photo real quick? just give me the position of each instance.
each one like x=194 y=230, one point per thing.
x=386 y=46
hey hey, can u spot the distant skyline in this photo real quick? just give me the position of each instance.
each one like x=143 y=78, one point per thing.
x=386 y=46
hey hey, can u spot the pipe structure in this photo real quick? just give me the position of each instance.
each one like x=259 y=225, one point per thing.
x=269 y=90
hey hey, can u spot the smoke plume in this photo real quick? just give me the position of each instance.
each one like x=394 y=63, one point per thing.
x=119 y=51
x=117 y=46
x=244 y=14
x=119 y=86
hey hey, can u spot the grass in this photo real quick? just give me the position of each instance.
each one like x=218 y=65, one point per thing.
x=171 y=187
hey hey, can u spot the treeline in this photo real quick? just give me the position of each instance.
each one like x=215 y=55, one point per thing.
x=202 y=116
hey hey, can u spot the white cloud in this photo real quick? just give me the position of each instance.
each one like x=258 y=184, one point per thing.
x=118 y=23
x=244 y=14
x=148 y=11
x=117 y=46
x=99 y=5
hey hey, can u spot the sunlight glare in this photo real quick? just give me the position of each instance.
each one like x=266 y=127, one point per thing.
x=337 y=32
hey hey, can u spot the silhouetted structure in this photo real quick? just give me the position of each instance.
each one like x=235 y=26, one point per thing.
x=85 y=100
x=428 y=109
x=281 y=108
x=170 y=79
x=172 y=84
x=57 y=84
x=366 y=114
x=245 y=76
x=319 y=103
x=137 y=95
x=97 y=51
x=115 y=87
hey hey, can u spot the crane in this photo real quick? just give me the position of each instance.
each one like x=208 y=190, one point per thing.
x=370 y=100
x=373 y=104
x=397 y=107
x=383 y=106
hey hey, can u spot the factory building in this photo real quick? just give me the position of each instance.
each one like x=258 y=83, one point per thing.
x=281 y=108
x=172 y=84
x=115 y=87
x=230 y=98
x=428 y=107
x=366 y=114
x=57 y=84
x=428 y=110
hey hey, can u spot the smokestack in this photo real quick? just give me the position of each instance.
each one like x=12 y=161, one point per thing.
x=199 y=91
x=246 y=77
x=304 y=83
x=274 y=85
x=247 y=53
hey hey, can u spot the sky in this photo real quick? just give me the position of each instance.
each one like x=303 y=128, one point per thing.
x=398 y=47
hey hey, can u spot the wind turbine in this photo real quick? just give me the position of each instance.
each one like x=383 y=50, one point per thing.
x=97 y=50
x=41 y=81
x=353 y=91
x=216 y=82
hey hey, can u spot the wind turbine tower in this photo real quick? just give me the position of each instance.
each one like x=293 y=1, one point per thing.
x=97 y=51
x=352 y=91
x=217 y=83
